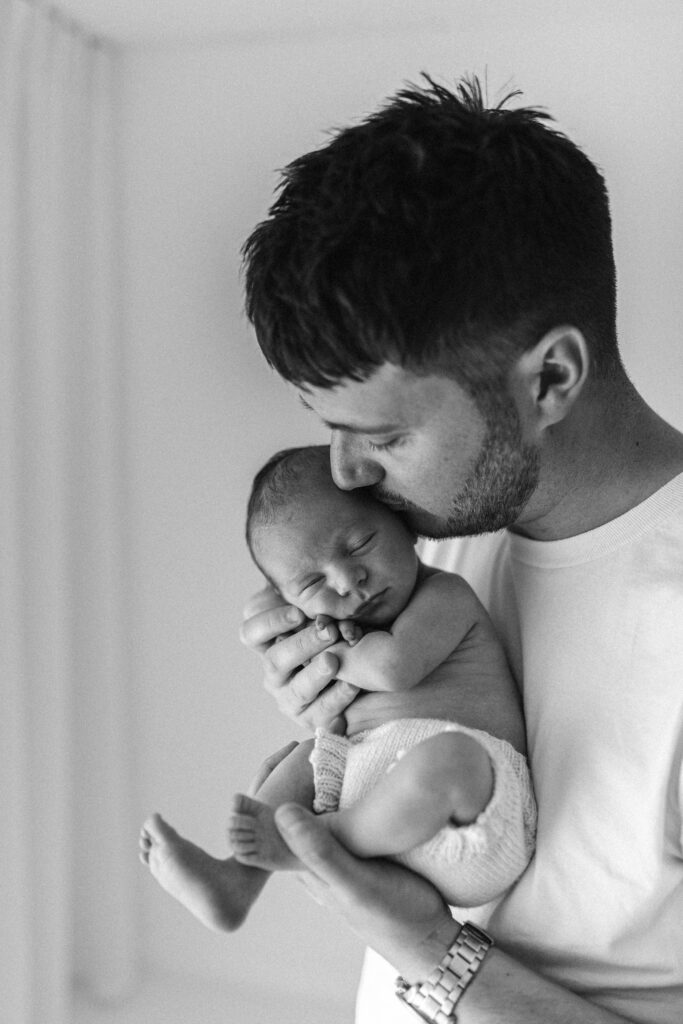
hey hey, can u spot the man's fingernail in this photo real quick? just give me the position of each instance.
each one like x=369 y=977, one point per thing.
x=293 y=615
x=324 y=633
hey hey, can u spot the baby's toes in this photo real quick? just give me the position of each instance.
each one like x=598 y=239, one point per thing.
x=241 y=823
x=144 y=845
x=244 y=847
x=241 y=837
x=242 y=804
x=158 y=830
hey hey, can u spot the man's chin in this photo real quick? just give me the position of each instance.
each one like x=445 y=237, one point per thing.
x=431 y=527
x=424 y=524
x=462 y=522
x=419 y=520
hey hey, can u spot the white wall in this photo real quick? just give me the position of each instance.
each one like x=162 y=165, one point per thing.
x=203 y=131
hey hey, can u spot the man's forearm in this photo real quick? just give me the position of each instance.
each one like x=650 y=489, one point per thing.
x=402 y=917
x=506 y=992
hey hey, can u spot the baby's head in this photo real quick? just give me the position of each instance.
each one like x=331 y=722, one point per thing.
x=328 y=551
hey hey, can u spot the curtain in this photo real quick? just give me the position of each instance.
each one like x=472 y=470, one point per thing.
x=67 y=844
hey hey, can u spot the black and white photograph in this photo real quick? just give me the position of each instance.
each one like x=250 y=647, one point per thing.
x=341 y=547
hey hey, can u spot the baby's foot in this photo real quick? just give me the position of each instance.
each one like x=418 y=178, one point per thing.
x=254 y=837
x=218 y=892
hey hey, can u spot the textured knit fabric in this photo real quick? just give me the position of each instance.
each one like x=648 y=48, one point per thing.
x=593 y=628
x=469 y=864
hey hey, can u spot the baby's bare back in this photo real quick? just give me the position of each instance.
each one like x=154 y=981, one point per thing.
x=473 y=686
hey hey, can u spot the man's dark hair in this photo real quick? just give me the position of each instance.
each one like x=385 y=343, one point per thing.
x=437 y=234
x=280 y=484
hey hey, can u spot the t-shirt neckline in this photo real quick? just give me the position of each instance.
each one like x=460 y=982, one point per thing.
x=586 y=547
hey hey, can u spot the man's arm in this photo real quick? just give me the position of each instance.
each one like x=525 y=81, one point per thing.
x=402 y=917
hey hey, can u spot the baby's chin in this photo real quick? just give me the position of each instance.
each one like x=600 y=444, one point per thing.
x=380 y=618
x=375 y=622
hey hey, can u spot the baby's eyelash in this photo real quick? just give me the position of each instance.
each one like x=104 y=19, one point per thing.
x=311 y=583
x=361 y=545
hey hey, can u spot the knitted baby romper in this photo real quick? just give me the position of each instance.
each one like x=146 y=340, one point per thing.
x=469 y=864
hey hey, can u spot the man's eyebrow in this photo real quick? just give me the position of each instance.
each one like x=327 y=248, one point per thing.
x=348 y=428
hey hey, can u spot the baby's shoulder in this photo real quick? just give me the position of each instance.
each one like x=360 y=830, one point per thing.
x=445 y=585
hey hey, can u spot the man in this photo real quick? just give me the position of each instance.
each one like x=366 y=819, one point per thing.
x=438 y=285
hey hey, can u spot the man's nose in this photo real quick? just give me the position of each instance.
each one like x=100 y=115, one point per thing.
x=350 y=468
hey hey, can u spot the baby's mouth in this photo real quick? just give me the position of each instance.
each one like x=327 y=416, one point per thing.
x=369 y=606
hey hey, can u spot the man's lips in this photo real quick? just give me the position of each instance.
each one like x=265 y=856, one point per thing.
x=392 y=501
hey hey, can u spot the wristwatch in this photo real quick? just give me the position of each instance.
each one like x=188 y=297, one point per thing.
x=435 y=999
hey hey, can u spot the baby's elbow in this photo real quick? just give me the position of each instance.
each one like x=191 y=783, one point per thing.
x=390 y=674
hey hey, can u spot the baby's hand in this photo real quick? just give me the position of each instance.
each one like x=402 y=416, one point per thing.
x=349 y=630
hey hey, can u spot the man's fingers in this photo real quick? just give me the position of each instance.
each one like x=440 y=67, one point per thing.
x=323 y=711
x=334 y=701
x=296 y=650
x=259 y=630
x=299 y=693
x=313 y=844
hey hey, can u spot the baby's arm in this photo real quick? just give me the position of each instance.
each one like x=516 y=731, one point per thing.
x=439 y=615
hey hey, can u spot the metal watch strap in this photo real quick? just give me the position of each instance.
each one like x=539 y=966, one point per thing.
x=435 y=999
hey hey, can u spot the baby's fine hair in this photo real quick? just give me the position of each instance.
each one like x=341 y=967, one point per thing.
x=279 y=484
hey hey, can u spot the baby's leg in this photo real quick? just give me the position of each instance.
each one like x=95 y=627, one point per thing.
x=252 y=831
x=221 y=892
x=446 y=779
x=218 y=892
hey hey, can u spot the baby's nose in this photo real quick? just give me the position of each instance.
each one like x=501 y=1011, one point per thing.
x=348 y=578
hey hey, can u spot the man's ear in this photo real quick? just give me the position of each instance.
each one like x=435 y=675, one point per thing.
x=552 y=374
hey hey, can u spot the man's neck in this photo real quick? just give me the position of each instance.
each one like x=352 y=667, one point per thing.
x=610 y=459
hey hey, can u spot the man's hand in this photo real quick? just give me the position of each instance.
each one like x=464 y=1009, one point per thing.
x=297 y=670
x=403 y=918
x=398 y=913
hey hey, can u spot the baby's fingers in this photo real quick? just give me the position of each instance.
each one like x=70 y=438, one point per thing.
x=350 y=631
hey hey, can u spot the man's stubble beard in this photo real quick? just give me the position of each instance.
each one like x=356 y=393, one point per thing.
x=503 y=478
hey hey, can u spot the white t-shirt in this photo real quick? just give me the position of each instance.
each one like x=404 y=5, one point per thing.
x=593 y=626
